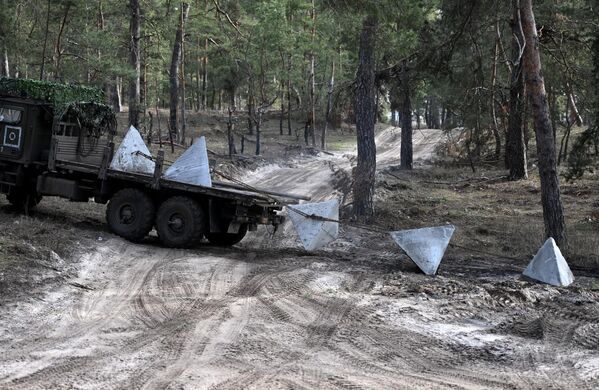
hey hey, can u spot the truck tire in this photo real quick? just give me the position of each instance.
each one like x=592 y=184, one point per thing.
x=227 y=239
x=130 y=214
x=180 y=222
x=23 y=200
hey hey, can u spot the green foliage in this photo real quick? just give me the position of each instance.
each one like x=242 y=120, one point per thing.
x=58 y=95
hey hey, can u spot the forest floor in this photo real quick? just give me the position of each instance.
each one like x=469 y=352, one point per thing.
x=82 y=308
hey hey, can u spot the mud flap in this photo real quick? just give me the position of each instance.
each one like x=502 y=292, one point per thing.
x=315 y=223
x=549 y=266
x=426 y=246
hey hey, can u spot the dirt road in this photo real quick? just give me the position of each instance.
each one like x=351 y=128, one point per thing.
x=265 y=314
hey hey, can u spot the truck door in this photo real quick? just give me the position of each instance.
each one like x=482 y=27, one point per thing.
x=11 y=131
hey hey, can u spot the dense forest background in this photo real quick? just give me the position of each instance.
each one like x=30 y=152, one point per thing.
x=432 y=63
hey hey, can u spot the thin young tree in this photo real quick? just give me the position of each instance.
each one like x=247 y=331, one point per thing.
x=135 y=81
x=553 y=212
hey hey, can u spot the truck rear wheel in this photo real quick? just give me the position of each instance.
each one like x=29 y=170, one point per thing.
x=180 y=222
x=227 y=239
x=130 y=214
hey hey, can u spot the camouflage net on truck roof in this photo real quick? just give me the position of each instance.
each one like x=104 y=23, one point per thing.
x=55 y=94
x=69 y=102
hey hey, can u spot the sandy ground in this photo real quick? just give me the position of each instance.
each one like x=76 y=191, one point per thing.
x=266 y=314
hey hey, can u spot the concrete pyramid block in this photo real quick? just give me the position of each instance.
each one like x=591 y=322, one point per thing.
x=192 y=167
x=130 y=156
x=426 y=246
x=315 y=233
x=549 y=266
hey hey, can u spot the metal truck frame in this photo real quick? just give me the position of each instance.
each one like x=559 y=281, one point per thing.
x=42 y=154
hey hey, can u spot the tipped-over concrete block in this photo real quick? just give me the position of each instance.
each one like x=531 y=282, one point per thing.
x=314 y=223
x=192 y=167
x=549 y=266
x=426 y=246
x=133 y=155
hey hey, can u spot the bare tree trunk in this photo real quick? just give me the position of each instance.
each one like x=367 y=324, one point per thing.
x=312 y=117
x=183 y=107
x=327 y=118
x=553 y=212
x=43 y=66
x=406 y=154
x=282 y=116
x=289 y=130
x=135 y=81
x=231 y=124
x=365 y=108
x=515 y=154
x=5 y=64
x=58 y=46
x=175 y=68
x=493 y=87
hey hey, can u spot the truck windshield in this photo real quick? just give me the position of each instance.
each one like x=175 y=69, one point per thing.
x=9 y=115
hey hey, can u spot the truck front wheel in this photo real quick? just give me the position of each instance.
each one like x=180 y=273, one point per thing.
x=227 y=239
x=130 y=214
x=180 y=222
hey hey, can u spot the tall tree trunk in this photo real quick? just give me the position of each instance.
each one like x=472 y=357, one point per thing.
x=175 y=68
x=5 y=65
x=515 y=153
x=205 y=76
x=365 y=110
x=289 y=65
x=406 y=154
x=135 y=81
x=312 y=116
x=282 y=103
x=327 y=118
x=58 y=45
x=183 y=106
x=43 y=66
x=493 y=87
x=553 y=212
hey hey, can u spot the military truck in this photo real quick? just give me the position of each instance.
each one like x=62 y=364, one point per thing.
x=58 y=140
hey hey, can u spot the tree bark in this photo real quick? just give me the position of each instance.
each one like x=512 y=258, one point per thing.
x=182 y=75
x=553 y=212
x=135 y=81
x=493 y=87
x=327 y=118
x=515 y=153
x=406 y=121
x=175 y=68
x=365 y=110
x=312 y=115
x=43 y=66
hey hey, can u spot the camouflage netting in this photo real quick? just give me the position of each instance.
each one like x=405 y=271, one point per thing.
x=94 y=119
x=80 y=104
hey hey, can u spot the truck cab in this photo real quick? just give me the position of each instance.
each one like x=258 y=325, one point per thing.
x=25 y=131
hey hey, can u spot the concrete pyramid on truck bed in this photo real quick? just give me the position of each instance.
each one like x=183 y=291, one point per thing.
x=192 y=167
x=311 y=221
x=549 y=266
x=133 y=155
x=426 y=246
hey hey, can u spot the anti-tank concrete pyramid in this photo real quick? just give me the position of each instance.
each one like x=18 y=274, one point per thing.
x=549 y=266
x=315 y=233
x=130 y=156
x=426 y=246
x=192 y=167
